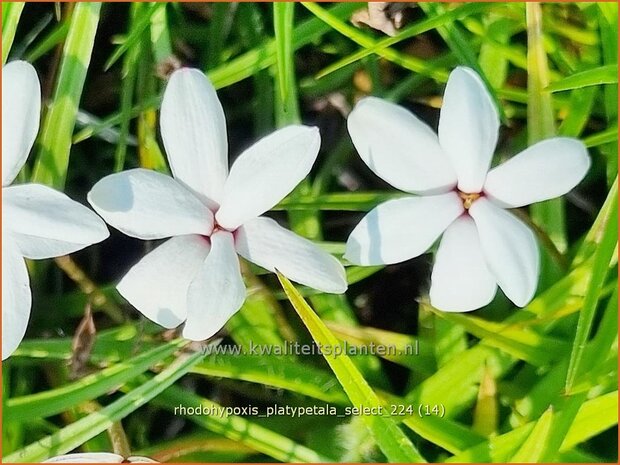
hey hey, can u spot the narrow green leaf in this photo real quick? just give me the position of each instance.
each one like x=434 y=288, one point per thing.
x=276 y=371
x=51 y=402
x=51 y=40
x=390 y=439
x=57 y=129
x=517 y=340
x=406 y=348
x=594 y=416
x=427 y=24
x=283 y=14
x=350 y=201
x=548 y=215
x=264 y=55
x=11 y=12
x=595 y=234
x=606 y=136
x=75 y=434
x=160 y=35
x=220 y=24
x=560 y=426
x=130 y=67
x=600 y=268
x=135 y=34
x=607 y=74
x=532 y=449
x=239 y=429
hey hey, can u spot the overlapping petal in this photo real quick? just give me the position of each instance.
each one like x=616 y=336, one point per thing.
x=270 y=246
x=461 y=280
x=21 y=111
x=543 y=171
x=401 y=229
x=46 y=223
x=266 y=172
x=149 y=205
x=399 y=148
x=510 y=250
x=16 y=296
x=193 y=128
x=158 y=284
x=468 y=128
x=217 y=291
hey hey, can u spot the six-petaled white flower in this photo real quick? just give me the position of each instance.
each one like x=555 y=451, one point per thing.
x=483 y=245
x=212 y=215
x=37 y=221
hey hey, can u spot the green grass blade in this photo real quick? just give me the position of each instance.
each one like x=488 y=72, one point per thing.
x=350 y=201
x=606 y=136
x=51 y=40
x=277 y=372
x=57 y=128
x=600 y=268
x=594 y=416
x=135 y=35
x=283 y=14
x=548 y=215
x=407 y=32
x=406 y=61
x=516 y=340
x=264 y=56
x=607 y=74
x=130 y=67
x=239 y=429
x=51 y=402
x=11 y=12
x=160 y=35
x=70 y=437
x=390 y=439
x=533 y=447
x=593 y=238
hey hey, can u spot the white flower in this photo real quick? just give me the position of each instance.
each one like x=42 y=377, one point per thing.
x=212 y=215
x=37 y=221
x=483 y=245
x=97 y=457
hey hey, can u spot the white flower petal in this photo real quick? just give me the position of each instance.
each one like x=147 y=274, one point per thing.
x=46 y=223
x=266 y=172
x=193 y=128
x=461 y=280
x=88 y=457
x=16 y=296
x=149 y=205
x=21 y=111
x=401 y=229
x=157 y=285
x=270 y=246
x=399 y=148
x=217 y=291
x=468 y=128
x=510 y=250
x=543 y=171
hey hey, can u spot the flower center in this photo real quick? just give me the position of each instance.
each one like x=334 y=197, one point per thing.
x=468 y=199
